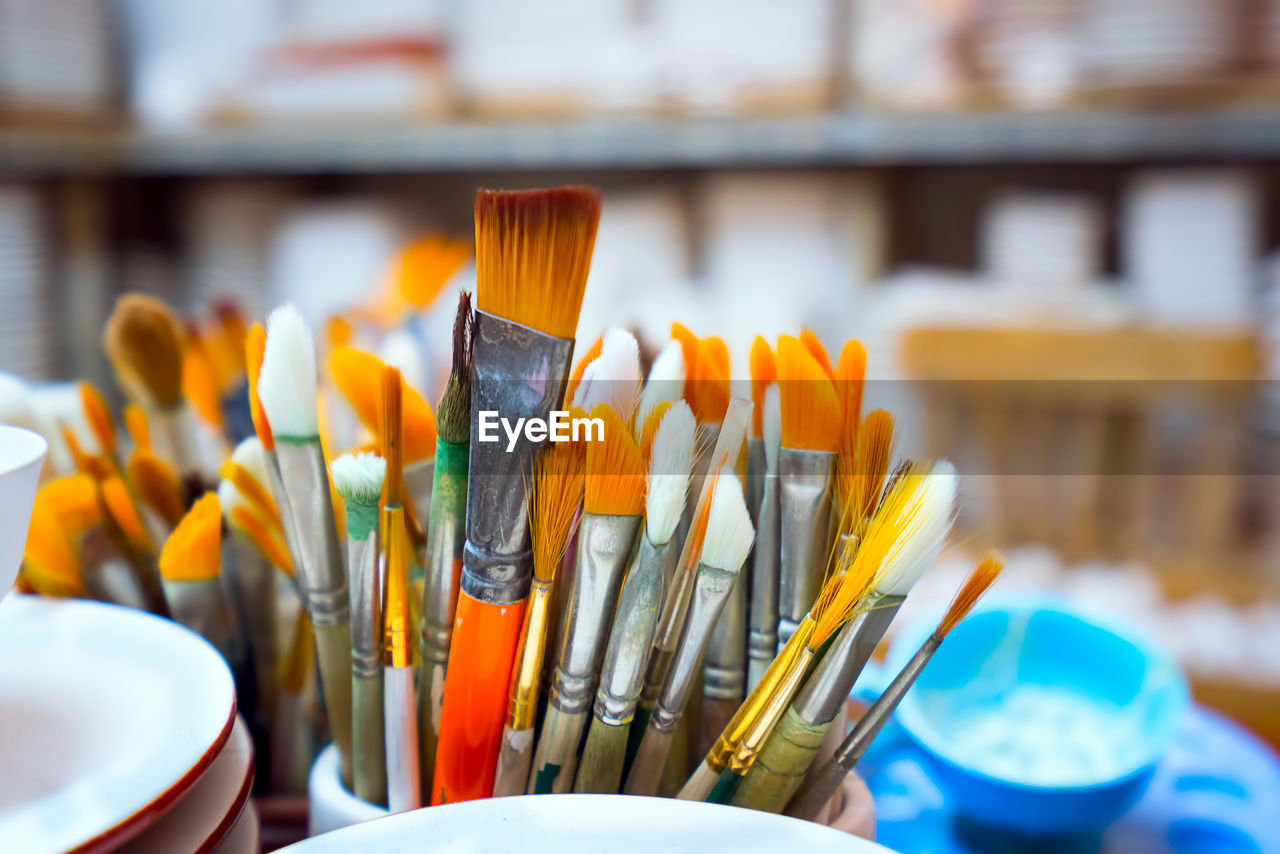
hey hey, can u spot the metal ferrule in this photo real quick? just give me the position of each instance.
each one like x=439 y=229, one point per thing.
x=775 y=705
x=517 y=372
x=604 y=545
x=419 y=477
x=366 y=606
x=711 y=590
x=804 y=511
x=276 y=484
x=306 y=483
x=753 y=486
x=866 y=729
x=527 y=679
x=446 y=534
x=827 y=688
x=200 y=606
x=724 y=671
x=395 y=591
x=631 y=636
x=762 y=639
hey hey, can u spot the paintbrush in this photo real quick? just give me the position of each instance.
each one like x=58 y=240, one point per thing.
x=157 y=485
x=403 y=784
x=821 y=782
x=143 y=340
x=727 y=540
x=98 y=417
x=446 y=533
x=557 y=496
x=359 y=478
x=762 y=637
x=665 y=382
x=290 y=748
x=903 y=541
x=613 y=377
x=636 y=619
x=764 y=373
x=613 y=505
x=810 y=431
x=50 y=562
x=580 y=367
x=287 y=390
x=533 y=251
x=190 y=564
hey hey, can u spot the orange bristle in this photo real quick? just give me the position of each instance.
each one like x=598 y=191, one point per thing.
x=851 y=374
x=200 y=382
x=649 y=429
x=85 y=462
x=265 y=538
x=810 y=407
x=98 y=416
x=254 y=345
x=557 y=494
x=698 y=530
x=580 y=368
x=143 y=340
x=688 y=345
x=707 y=389
x=235 y=329
x=50 y=561
x=193 y=551
x=978 y=582
x=157 y=485
x=860 y=476
x=135 y=421
x=615 y=469
x=355 y=374
x=74 y=502
x=337 y=331
x=253 y=491
x=813 y=344
x=533 y=253
x=391 y=426
x=125 y=513
x=763 y=372
x=426 y=266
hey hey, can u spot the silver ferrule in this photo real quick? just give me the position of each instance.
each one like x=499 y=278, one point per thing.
x=199 y=605
x=366 y=606
x=631 y=636
x=711 y=590
x=804 y=510
x=516 y=372
x=604 y=545
x=762 y=639
x=753 y=487
x=306 y=482
x=418 y=479
x=827 y=688
x=276 y=484
x=724 y=670
x=870 y=724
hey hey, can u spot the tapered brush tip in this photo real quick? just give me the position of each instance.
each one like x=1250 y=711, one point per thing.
x=143 y=340
x=666 y=381
x=978 y=583
x=615 y=469
x=533 y=253
x=649 y=429
x=729 y=530
x=193 y=550
x=254 y=344
x=391 y=430
x=287 y=379
x=613 y=377
x=764 y=371
x=810 y=407
x=557 y=495
x=813 y=344
x=98 y=416
x=707 y=388
x=455 y=403
x=157 y=484
x=670 y=464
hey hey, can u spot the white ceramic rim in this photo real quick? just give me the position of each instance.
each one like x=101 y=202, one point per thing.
x=19 y=448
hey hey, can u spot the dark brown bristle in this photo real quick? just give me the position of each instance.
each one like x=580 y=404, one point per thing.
x=978 y=582
x=143 y=340
x=391 y=428
x=533 y=253
x=453 y=416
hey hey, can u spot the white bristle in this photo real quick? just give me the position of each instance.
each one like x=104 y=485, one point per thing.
x=771 y=427
x=666 y=382
x=400 y=350
x=670 y=462
x=287 y=381
x=358 y=477
x=729 y=531
x=230 y=498
x=930 y=512
x=250 y=456
x=613 y=377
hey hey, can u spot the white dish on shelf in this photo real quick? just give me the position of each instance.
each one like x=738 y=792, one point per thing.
x=21 y=455
x=107 y=716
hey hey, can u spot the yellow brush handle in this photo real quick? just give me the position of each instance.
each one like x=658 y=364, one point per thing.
x=333 y=649
x=782 y=764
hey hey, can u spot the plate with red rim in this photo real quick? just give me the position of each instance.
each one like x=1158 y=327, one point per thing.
x=107 y=717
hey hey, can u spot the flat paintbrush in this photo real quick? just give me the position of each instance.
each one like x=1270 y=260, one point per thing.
x=762 y=636
x=190 y=564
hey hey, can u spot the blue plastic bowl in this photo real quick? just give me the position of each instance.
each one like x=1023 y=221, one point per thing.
x=990 y=658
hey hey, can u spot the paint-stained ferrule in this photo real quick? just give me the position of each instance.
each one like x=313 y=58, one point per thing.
x=631 y=636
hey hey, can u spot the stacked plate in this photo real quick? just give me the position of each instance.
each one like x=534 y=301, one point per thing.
x=118 y=732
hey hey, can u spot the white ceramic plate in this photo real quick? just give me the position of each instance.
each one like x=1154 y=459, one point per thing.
x=209 y=809
x=107 y=715
x=245 y=837
x=554 y=824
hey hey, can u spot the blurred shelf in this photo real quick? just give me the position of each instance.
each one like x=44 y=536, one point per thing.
x=845 y=139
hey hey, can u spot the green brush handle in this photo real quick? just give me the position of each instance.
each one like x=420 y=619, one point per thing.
x=556 y=759
x=515 y=755
x=600 y=771
x=646 y=768
x=370 y=760
x=725 y=788
x=333 y=651
x=782 y=764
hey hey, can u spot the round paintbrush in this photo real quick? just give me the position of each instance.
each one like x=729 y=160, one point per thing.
x=665 y=382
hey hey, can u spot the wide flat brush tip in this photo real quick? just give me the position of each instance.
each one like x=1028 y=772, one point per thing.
x=764 y=370
x=729 y=530
x=193 y=551
x=615 y=469
x=255 y=343
x=810 y=407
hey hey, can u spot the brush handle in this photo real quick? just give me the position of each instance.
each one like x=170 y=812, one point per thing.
x=475 y=698
x=699 y=784
x=819 y=785
x=725 y=787
x=646 y=768
x=716 y=714
x=403 y=792
x=514 y=758
x=430 y=703
x=556 y=759
x=781 y=765
x=333 y=651
x=368 y=746
x=600 y=771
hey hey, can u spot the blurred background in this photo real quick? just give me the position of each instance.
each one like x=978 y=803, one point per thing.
x=1079 y=193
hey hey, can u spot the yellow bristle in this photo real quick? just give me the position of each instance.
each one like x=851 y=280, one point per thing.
x=265 y=537
x=200 y=383
x=125 y=513
x=649 y=429
x=298 y=662
x=813 y=344
x=763 y=372
x=85 y=462
x=809 y=406
x=143 y=340
x=558 y=487
x=390 y=429
x=98 y=416
x=254 y=345
x=157 y=485
x=978 y=582
x=533 y=253
x=860 y=477
x=356 y=374
x=74 y=502
x=614 y=469
x=253 y=491
x=707 y=388
x=193 y=551
x=426 y=266
x=135 y=421
x=580 y=368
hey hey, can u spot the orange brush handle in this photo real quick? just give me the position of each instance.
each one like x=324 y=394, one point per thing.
x=475 y=698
